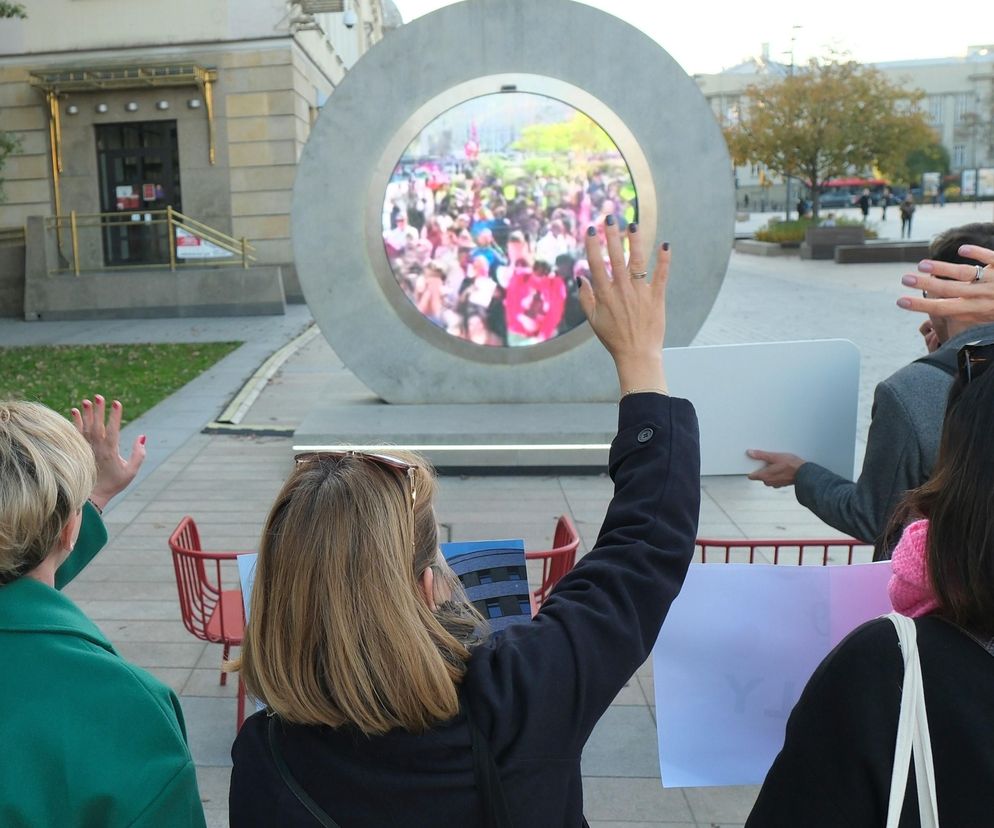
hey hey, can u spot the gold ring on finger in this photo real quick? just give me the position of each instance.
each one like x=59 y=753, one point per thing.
x=639 y=275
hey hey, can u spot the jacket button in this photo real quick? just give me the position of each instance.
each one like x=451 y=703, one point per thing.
x=645 y=435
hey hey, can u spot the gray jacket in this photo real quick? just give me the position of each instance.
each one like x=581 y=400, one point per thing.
x=901 y=448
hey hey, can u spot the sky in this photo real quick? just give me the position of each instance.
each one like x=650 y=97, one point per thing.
x=707 y=36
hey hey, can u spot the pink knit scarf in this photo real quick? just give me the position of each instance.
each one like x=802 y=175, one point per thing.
x=910 y=588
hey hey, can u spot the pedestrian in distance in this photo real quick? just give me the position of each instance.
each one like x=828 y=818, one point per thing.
x=864 y=204
x=907 y=212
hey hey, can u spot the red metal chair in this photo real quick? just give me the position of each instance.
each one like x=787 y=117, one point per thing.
x=209 y=611
x=557 y=561
x=780 y=547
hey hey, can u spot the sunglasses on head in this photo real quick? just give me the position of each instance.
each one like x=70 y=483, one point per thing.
x=974 y=358
x=384 y=460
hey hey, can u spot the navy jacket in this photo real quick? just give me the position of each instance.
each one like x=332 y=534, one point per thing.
x=536 y=690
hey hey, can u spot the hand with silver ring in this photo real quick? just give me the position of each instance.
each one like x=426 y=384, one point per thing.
x=954 y=291
x=627 y=311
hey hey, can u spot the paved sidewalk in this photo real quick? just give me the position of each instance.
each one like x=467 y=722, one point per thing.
x=228 y=482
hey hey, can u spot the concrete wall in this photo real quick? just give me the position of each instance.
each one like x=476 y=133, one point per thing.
x=51 y=293
x=108 y=24
x=11 y=276
x=145 y=294
x=27 y=173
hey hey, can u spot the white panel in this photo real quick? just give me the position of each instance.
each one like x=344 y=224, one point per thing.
x=799 y=397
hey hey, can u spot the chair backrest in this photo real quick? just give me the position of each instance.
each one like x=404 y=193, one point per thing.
x=557 y=561
x=198 y=580
x=791 y=549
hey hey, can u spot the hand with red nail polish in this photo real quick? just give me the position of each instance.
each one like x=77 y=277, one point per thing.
x=103 y=432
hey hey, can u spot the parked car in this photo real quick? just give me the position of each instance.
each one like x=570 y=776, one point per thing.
x=834 y=199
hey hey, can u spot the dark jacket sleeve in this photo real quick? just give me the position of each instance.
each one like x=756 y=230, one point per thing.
x=559 y=673
x=92 y=538
x=890 y=468
x=838 y=752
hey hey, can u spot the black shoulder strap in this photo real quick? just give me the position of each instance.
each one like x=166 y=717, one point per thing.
x=313 y=808
x=947 y=362
x=487 y=777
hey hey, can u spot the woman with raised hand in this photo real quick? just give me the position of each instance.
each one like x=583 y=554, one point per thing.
x=837 y=766
x=88 y=740
x=388 y=703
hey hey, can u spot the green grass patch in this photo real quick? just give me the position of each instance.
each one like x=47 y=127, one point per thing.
x=60 y=376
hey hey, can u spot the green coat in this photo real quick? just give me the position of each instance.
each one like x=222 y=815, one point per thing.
x=86 y=739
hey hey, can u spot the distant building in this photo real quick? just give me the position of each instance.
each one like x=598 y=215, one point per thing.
x=203 y=106
x=959 y=99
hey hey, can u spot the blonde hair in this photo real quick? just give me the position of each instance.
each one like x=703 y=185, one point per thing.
x=46 y=472
x=339 y=631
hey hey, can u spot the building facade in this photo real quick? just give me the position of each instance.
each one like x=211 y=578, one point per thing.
x=201 y=106
x=959 y=98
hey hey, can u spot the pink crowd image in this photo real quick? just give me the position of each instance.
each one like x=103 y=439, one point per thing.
x=485 y=215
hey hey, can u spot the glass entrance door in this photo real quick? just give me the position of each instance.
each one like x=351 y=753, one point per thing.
x=139 y=173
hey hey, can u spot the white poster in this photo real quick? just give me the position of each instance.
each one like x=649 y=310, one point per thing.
x=735 y=652
x=985 y=182
x=190 y=246
x=968 y=183
x=799 y=397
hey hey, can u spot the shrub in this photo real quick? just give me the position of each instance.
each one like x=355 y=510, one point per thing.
x=792 y=232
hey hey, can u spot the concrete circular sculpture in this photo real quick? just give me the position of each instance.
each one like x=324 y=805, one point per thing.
x=597 y=64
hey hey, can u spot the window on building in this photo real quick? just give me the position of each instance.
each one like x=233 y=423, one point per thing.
x=935 y=107
x=959 y=156
x=964 y=105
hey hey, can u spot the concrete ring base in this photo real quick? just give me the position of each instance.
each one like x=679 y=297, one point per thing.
x=678 y=157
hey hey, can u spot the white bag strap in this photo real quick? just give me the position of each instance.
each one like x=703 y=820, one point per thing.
x=912 y=735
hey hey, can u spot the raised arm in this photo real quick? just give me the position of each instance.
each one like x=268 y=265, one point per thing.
x=561 y=671
x=102 y=430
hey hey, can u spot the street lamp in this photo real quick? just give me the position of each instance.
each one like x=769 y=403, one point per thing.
x=793 y=37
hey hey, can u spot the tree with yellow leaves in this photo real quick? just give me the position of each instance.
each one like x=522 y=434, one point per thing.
x=826 y=120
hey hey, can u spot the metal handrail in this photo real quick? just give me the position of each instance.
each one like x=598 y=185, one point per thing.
x=173 y=219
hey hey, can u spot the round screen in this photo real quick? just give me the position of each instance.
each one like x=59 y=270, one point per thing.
x=485 y=215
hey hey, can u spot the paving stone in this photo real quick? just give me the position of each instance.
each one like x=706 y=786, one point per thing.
x=722 y=805
x=210 y=728
x=160 y=654
x=633 y=800
x=618 y=745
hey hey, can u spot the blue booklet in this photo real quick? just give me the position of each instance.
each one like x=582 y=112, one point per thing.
x=494 y=577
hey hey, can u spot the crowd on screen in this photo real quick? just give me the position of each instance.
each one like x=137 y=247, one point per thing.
x=495 y=263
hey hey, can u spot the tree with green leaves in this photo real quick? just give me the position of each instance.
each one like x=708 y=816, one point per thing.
x=931 y=158
x=8 y=143
x=826 y=120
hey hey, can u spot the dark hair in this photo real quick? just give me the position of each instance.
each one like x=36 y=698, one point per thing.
x=958 y=501
x=945 y=247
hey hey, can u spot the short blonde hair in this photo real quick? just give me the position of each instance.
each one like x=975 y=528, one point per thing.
x=46 y=472
x=339 y=632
